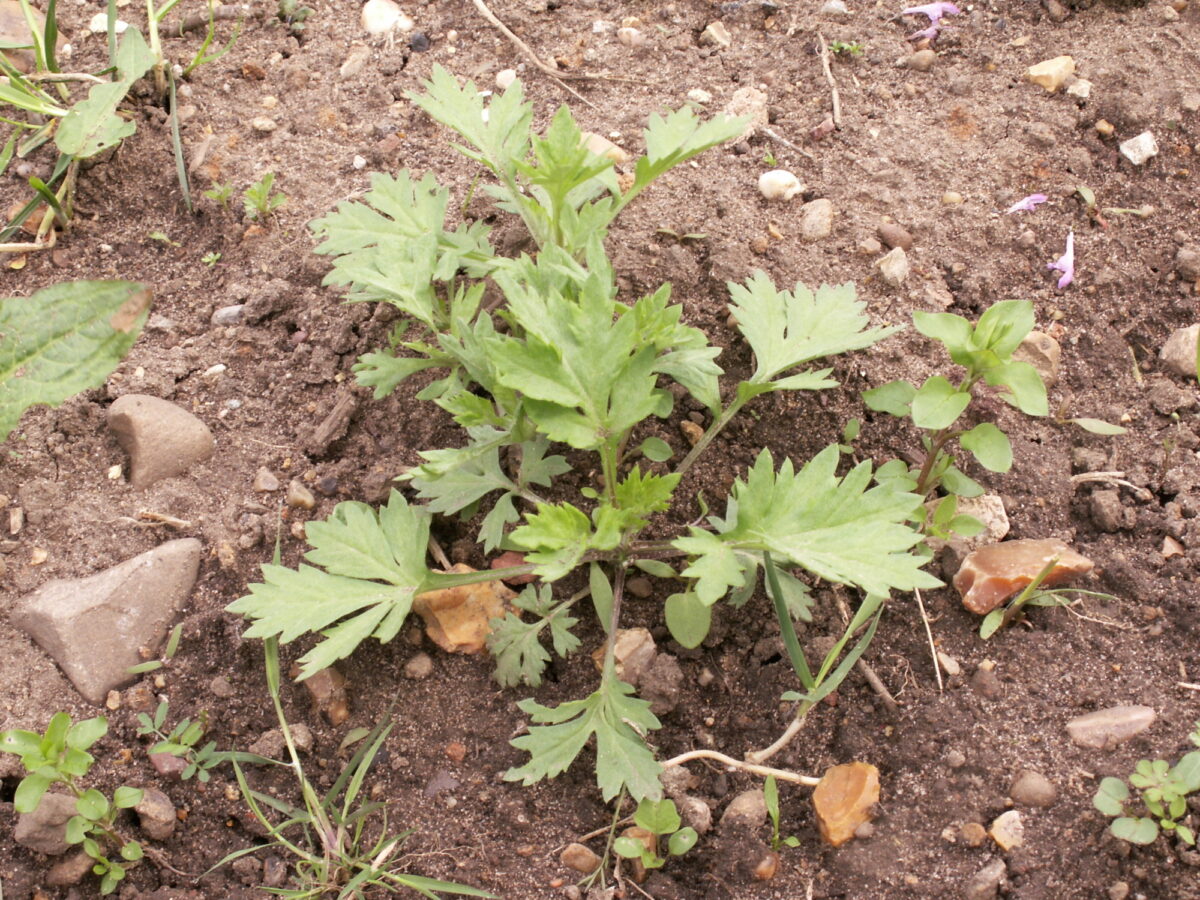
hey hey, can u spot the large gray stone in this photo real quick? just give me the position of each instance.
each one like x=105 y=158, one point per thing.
x=1105 y=728
x=162 y=439
x=45 y=829
x=93 y=627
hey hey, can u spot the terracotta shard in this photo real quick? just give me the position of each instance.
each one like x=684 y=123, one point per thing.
x=844 y=800
x=459 y=619
x=992 y=574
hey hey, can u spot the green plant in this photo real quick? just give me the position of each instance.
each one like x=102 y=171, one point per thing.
x=573 y=365
x=769 y=159
x=771 y=798
x=60 y=757
x=843 y=48
x=220 y=193
x=62 y=340
x=181 y=741
x=1162 y=791
x=293 y=14
x=1032 y=595
x=661 y=819
x=938 y=406
x=328 y=837
x=259 y=201
x=211 y=259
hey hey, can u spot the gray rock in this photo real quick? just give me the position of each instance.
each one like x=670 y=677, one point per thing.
x=660 y=684
x=986 y=882
x=1187 y=263
x=45 y=829
x=1179 y=352
x=94 y=627
x=1106 y=511
x=1043 y=353
x=834 y=8
x=695 y=813
x=274 y=871
x=816 y=220
x=420 y=666
x=893 y=267
x=1118 y=890
x=156 y=814
x=69 y=870
x=265 y=481
x=302 y=737
x=1033 y=789
x=269 y=744
x=162 y=439
x=677 y=781
x=1166 y=397
x=747 y=810
x=921 y=61
x=1138 y=150
x=229 y=315
x=1106 y=728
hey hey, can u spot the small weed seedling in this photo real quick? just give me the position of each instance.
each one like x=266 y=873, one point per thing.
x=293 y=15
x=661 y=819
x=220 y=193
x=211 y=259
x=1161 y=801
x=327 y=837
x=844 y=48
x=259 y=201
x=771 y=797
x=565 y=362
x=937 y=407
x=181 y=741
x=60 y=757
x=1032 y=595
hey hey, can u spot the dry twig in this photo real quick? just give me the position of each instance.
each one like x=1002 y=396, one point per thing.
x=752 y=768
x=937 y=669
x=833 y=89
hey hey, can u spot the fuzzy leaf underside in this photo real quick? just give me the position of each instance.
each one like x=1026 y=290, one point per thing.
x=62 y=340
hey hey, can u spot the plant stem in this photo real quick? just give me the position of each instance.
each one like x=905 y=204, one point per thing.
x=614 y=618
x=753 y=769
x=608 y=462
x=756 y=757
x=712 y=431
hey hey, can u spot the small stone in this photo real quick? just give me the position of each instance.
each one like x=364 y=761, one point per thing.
x=1033 y=789
x=631 y=38
x=505 y=78
x=952 y=198
x=265 y=481
x=274 y=872
x=1179 y=352
x=580 y=858
x=949 y=664
x=1118 y=890
x=1191 y=101
x=1171 y=548
x=327 y=690
x=1187 y=263
x=694 y=813
x=869 y=247
x=992 y=574
x=717 y=35
x=602 y=146
x=299 y=496
x=419 y=42
x=1139 y=149
x=699 y=95
x=1041 y=134
x=691 y=432
x=302 y=737
x=263 y=124
x=1007 y=830
x=1104 y=128
x=844 y=799
x=1081 y=88
x=834 y=8
x=98 y=24
x=893 y=267
x=1043 y=353
x=956 y=759
x=660 y=684
x=456 y=751
x=973 y=834
x=921 y=61
x=168 y=765
x=156 y=814
x=70 y=870
x=677 y=781
x=987 y=684
x=640 y=587
x=985 y=883
x=93 y=627
x=270 y=744
x=816 y=220
x=1106 y=728
x=779 y=184
x=750 y=103
x=747 y=810
x=45 y=829
x=1052 y=73
x=893 y=235
x=458 y=619
x=383 y=17
x=1168 y=14
x=1106 y=511
x=356 y=60
x=228 y=315
x=766 y=867
x=634 y=650
x=162 y=439
x=419 y=667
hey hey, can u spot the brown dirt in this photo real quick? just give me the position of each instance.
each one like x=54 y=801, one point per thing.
x=969 y=125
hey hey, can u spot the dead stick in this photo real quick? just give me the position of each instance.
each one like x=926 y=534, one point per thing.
x=752 y=768
x=937 y=669
x=220 y=13
x=833 y=89
x=785 y=142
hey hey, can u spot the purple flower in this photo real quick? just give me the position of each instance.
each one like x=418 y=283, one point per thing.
x=1028 y=204
x=1066 y=262
x=931 y=33
x=933 y=11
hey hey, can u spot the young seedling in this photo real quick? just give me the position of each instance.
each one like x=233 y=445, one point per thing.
x=844 y=48
x=293 y=15
x=985 y=351
x=169 y=652
x=181 y=742
x=220 y=193
x=771 y=798
x=660 y=819
x=259 y=201
x=211 y=259
x=1160 y=804
x=60 y=757
x=567 y=363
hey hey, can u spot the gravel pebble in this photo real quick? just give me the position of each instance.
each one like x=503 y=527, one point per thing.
x=816 y=220
x=419 y=667
x=1033 y=789
x=229 y=315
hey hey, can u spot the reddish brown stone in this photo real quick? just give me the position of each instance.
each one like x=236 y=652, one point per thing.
x=992 y=574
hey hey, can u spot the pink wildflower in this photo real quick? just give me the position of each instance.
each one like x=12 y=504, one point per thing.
x=1028 y=204
x=1066 y=262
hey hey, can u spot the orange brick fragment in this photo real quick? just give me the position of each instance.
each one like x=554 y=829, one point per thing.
x=992 y=574
x=844 y=800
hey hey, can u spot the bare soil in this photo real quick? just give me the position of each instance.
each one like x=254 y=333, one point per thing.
x=970 y=125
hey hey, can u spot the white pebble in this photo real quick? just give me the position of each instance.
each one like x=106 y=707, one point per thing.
x=699 y=95
x=213 y=371
x=505 y=78
x=1139 y=149
x=99 y=24
x=359 y=162
x=381 y=17
x=631 y=37
x=779 y=184
x=263 y=124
